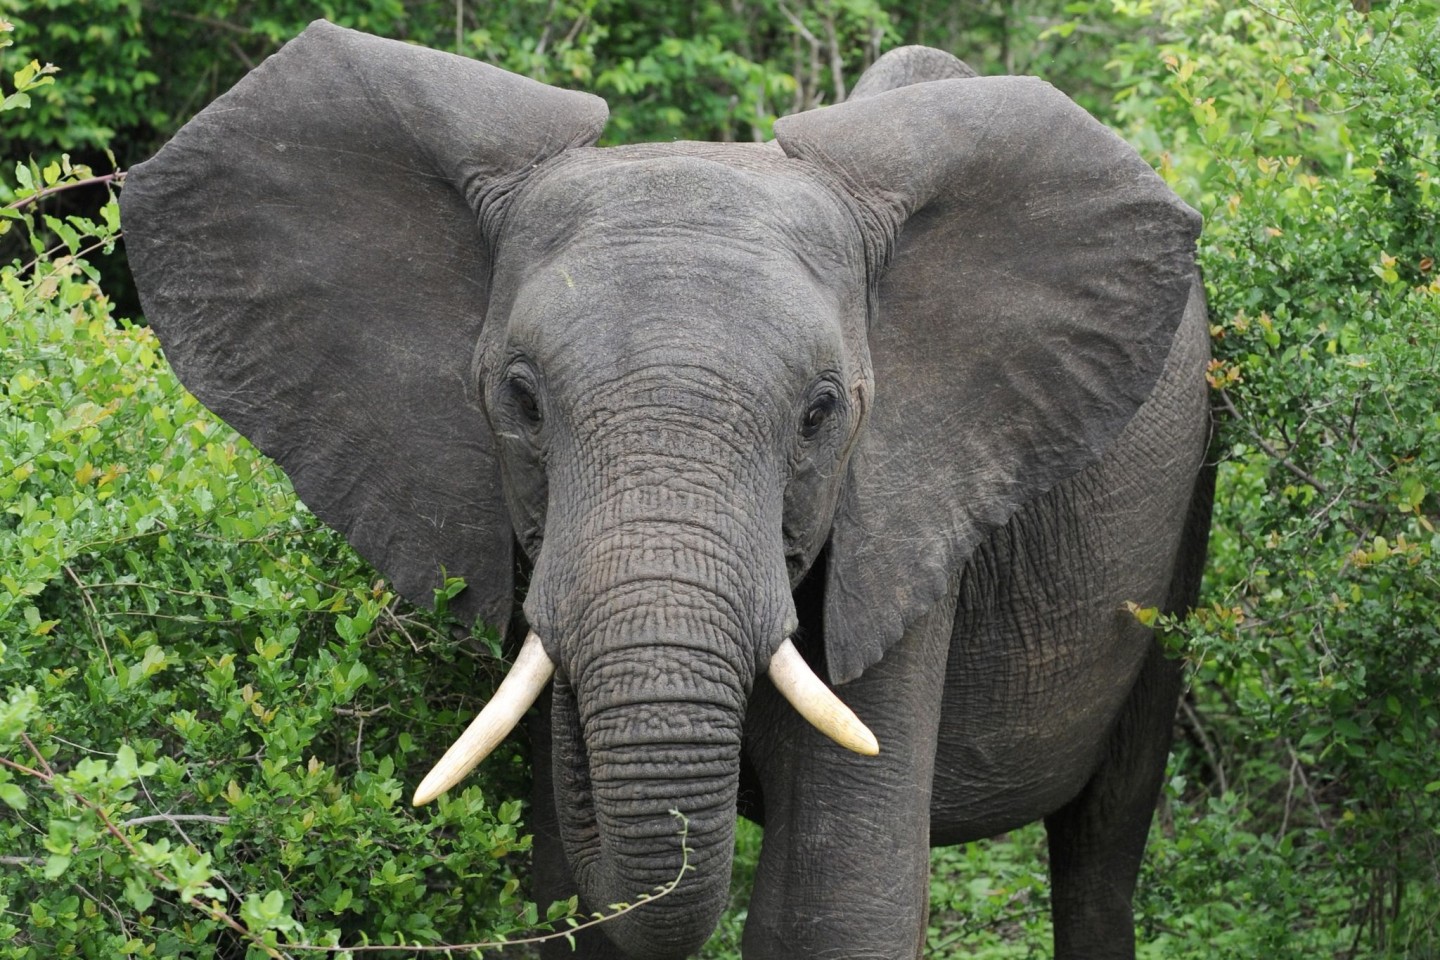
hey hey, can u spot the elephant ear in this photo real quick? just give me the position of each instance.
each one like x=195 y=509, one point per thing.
x=1038 y=271
x=906 y=65
x=309 y=251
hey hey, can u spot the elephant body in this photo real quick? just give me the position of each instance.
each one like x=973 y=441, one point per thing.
x=1042 y=608
x=911 y=400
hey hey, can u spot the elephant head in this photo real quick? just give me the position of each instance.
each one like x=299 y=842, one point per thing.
x=671 y=374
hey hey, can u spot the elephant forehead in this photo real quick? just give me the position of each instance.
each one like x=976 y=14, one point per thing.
x=618 y=256
x=692 y=201
x=736 y=314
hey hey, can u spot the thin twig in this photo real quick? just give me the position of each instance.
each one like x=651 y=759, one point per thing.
x=351 y=712
x=214 y=911
x=92 y=616
x=1289 y=795
x=161 y=588
x=290 y=566
x=174 y=818
x=1206 y=745
x=241 y=55
x=108 y=905
x=117 y=178
x=212 y=22
x=28 y=771
x=545 y=30
x=81 y=747
x=389 y=614
x=1284 y=461
x=1265 y=445
x=216 y=875
x=1317 y=42
x=44 y=764
x=810 y=97
x=575 y=29
x=71 y=257
x=1309 y=790
x=359 y=740
x=837 y=71
x=225 y=622
x=217 y=913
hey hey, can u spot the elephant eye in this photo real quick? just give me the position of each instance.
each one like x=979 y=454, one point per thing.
x=822 y=405
x=522 y=395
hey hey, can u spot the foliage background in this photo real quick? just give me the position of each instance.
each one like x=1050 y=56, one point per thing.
x=212 y=709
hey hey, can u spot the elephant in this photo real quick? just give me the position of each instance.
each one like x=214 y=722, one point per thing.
x=819 y=475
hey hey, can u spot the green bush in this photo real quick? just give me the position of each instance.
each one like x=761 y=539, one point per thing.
x=1308 y=783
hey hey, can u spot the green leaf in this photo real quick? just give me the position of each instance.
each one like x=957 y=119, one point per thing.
x=65 y=232
x=25 y=74
x=138 y=895
x=1348 y=729
x=126 y=763
x=14 y=797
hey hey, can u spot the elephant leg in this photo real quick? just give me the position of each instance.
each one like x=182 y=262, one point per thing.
x=1097 y=840
x=845 y=866
x=551 y=877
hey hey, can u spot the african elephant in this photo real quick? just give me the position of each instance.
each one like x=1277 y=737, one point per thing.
x=911 y=399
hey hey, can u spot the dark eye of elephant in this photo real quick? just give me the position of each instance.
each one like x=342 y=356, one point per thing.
x=522 y=395
x=824 y=403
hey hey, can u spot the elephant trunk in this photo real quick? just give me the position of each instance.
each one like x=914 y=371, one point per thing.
x=660 y=591
x=632 y=747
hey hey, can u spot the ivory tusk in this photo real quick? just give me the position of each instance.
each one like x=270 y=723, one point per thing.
x=520 y=688
x=817 y=703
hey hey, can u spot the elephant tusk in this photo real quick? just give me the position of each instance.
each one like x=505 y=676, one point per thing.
x=817 y=703
x=519 y=689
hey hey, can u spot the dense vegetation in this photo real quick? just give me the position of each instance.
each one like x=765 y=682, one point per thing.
x=210 y=709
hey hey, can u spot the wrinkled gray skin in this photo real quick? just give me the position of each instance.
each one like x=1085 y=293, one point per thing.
x=925 y=381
